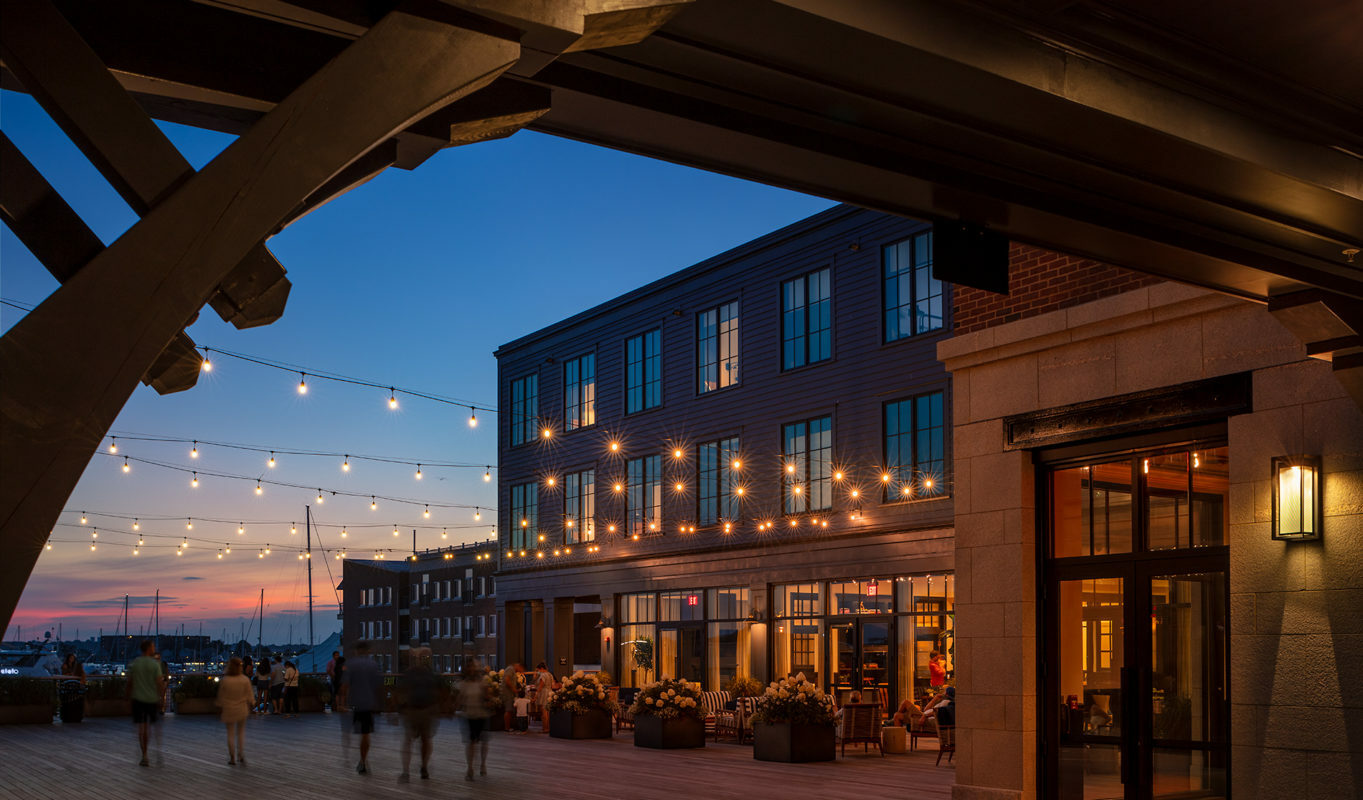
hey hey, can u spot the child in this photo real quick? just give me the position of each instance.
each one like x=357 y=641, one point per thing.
x=521 y=722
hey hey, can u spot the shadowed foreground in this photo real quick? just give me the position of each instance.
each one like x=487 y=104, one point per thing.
x=306 y=758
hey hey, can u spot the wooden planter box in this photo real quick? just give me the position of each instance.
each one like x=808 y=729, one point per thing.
x=654 y=731
x=497 y=722
x=313 y=703
x=592 y=725
x=196 y=705
x=108 y=708
x=26 y=715
x=795 y=743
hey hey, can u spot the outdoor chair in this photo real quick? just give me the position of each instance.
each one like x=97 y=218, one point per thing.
x=737 y=722
x=623 y=718
x=861 y=723
x=712 y=706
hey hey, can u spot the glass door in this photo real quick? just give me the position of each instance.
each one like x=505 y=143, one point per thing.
x=859 y=654
x=842 y=659
x=681 y=652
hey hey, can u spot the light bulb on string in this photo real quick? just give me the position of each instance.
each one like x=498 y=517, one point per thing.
x=392 y=398
x=344 y=533
x=418 y=472
x=477 y=514
x=48 y=546
x=137 y=526
x=473 y=417
x=345 y=465
x=113 y=444
x=136 y=551
x=206 y=365
x=373 y=503
x=738 y=464
x=140 y=542
x=184 y=542
x=189 y=524
x=126 y=466
x=194 y=482
x=227 y=548
x=427 y=512
x=302 y=383
x=395 y=529
x=293 y=529
x=444 y=534
x=82 y=518
x=92 y=547
x=241 y=528
x=94 y=534
x=487 y=475
x=837 y=475
x=270 y=463
x=320 y=499
x=194 y=452
x=219 y=555
x=615 y=447
x=267 y=548
x=259 y=489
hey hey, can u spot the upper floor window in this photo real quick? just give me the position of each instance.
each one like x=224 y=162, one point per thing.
x=525 y=513
x=643 y=371
x=715 y=481
x=807 y=458
x=579 y=392
x=913 y=298
x=806 y=319
x=579 y=506
x=717 y=348
x=915 y=446
x=644 y=503
x=525 y=409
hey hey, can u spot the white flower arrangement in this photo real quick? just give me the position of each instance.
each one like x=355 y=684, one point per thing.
x=581 y=693
x=794 y=700
x=668 y=698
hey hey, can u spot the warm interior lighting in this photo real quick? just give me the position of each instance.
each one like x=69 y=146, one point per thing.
x=1297 y=503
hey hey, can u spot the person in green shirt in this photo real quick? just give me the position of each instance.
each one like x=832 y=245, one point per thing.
x=145 y=686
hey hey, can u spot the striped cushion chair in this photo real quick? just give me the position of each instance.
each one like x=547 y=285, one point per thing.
x=712 y=703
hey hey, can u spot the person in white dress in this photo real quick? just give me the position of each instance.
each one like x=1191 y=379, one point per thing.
x=234 y=698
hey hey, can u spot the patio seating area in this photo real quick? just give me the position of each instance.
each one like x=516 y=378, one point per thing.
x=309 y=756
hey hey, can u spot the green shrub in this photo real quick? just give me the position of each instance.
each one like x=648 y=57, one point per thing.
x=196 y=686
x=313 y=686
x=744 y=686
x=111 y=688
x=27 y=692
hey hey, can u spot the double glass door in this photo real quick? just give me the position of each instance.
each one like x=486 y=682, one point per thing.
x=681 y=652
x=859 y=654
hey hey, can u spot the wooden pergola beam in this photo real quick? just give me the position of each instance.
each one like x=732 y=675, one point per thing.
x=72 y=363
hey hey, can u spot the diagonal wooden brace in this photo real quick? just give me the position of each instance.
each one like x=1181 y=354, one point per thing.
x=72 y=363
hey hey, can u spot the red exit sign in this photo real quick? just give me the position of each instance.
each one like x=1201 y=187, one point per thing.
x=873 y=588
x=693 y=599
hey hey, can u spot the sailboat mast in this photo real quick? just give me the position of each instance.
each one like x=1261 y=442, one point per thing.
x=260 y=631
x=311 y=642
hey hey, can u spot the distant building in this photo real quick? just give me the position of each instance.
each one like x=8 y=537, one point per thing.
x=444 y=599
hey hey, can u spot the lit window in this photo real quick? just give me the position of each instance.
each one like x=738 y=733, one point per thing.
x=525 y=513
x=644 y=497
x=579 y=506
x=579 y=392
x=717 y=348
x=715 y=498
x=807 y=457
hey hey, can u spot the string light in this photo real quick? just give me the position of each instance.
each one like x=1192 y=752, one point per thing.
x=227 y=547
x=373 y=503
x=392 y=398
x=259 y=489
x=739 y=490
x=241 y=528
x=270 y=463
x=854 y=494
x=790 y=469
x=418 y=472
x=267 y=548
x=136 y=551
x=547 y=433
x=618 y=488
x=94 y=534
x=184 y=543
x=837 y=475
x=345 y=465
x=473 y=418
x=444 y=534
x=194 y=452
x=113 y=444
x=320 y=499
x=293 y=529
x=194 y=483
x=395 y=529
x=487 y=475
x=344 y=533
x=927 y=483
x=427 y=512
x=679 y=486
x=477 y=514
x=92 y=547
x=611 y=528
x=615 y=447
x=140 y=541
x=884 y=477
x=49 y=546
x=737 y=464
x=206 y=365
x=189 y=524
x=82 y=518
x=126 y=467
x=677 y=452
x=907 y=490
x=137 y=526
x=219 y=555
x=302 y=383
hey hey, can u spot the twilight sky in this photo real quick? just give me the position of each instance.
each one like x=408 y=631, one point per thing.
x=411 y=280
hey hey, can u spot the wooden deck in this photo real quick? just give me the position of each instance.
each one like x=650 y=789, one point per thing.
x=307 y=757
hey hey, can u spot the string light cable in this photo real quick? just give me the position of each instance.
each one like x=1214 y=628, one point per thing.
x=116 y=436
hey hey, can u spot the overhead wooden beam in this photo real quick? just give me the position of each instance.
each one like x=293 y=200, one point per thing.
x=72 y=84
x=72 y=363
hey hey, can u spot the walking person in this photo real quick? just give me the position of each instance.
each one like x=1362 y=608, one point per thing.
x=511 y=689
x=544 y=691
x=331 y=678
x=363 y=686
x=473 y=702
x=145 y=689
x=263 y=685
x=277 y=686
x=234 y=698
x=290 y=689
x=338 y=692
x=420 y=692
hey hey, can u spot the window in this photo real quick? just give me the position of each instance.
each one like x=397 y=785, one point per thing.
x=457 y=587
x=445 y=593
x=643 y=513
x=717 y=348
x=643 y=372
x=458 y=628
x=445 y=628
x=482 y=586
x=806 y=319
x=807 y=456
x=492 y=586
x=715 y=481
x=492 y=626
x=525 y=409
x=579 y=392
x=913 y=298
x=915 y=447
x=482 y=627
x=579 y=506
x=525 y=513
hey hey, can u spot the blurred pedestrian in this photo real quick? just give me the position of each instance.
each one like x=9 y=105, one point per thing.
x=332 y=682
x=146 y=686
x=544 y=692
x=277 y=685
x=364 y=688
x=338 y=697
x=234 y=698
x=73 y=668
x=290 y=689
x=263 y=685
x=419 y=689
x=473 y=703
x=511 y=689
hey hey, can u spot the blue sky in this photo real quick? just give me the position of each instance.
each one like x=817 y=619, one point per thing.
x=410 y=280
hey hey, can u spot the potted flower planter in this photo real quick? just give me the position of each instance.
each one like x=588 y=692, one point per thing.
x=595 y=724
x=651 y=730
x=793 y=742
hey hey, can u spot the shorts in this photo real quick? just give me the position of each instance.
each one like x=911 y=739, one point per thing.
x=476 y=725
x=145 y=712
x=364 y=722
x=277 y=691
x=420 y=722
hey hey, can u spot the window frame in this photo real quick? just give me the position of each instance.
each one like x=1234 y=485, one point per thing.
x=650 y=481
x=889 y=326
x=526 y=509
x=579 y=506
x=804 y=472
x=650 y=372
x=579 y=393
x=802 y=312
x=722 y=338
x=719 y=481
x=524 y=420
x=915 y=471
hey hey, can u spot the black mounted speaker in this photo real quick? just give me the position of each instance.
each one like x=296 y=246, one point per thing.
x=970 y=255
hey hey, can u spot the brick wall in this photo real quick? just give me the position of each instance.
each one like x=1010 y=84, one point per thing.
x=1040 y=281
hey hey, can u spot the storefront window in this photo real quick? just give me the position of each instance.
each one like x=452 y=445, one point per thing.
x=729 y=642
x=797 y=599
x=732 y=603
x=860 y=597
x=799 y=647
x=681 y=606
x=637 y=638
x=934 y=626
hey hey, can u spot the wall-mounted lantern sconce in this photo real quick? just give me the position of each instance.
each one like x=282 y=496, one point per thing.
x=604 y=622
x=1297 y=506
x=755 y=615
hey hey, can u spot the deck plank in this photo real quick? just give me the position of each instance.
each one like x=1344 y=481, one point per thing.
x=306 y=757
